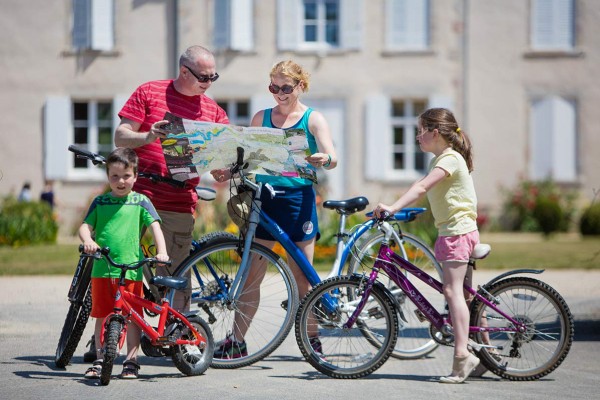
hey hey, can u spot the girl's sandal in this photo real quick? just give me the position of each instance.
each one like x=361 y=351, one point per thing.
x=94 y=371
x=130 y=370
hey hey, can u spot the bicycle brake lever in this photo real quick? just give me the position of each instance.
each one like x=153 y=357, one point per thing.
x=272 y=191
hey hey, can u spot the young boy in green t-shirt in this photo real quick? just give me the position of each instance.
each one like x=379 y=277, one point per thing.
x=117 y=219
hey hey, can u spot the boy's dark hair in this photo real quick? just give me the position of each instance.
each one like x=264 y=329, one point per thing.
x=125 y=156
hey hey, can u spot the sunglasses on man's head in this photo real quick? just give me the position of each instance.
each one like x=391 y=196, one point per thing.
x=203 y=78
x=286 y=89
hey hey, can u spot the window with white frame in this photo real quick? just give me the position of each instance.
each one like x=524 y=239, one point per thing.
x=86 y=123
x=321 y=22
x=553 y=139
x=234 y=25
x=92 y=129
x=238 y=111
x=552 y=25
x=319 y=25
x=93 y=25
x=407 y=25
x=392 y=151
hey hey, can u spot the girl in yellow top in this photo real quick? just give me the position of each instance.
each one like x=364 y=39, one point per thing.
x=451 y=194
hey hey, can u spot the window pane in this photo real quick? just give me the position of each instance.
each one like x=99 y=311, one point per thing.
x=420 y=161
x=80 y=111
x=79 y=162
x=331 y=11
x=223 y=105
x=399 y=135
x=419 y=107
x=81 y=136
x=398 y=108
x=243 y=109
x=310 y=33
x=331 y=34
x=105 y=136
x=310 y=10
x=398 y=161
x=105 y=112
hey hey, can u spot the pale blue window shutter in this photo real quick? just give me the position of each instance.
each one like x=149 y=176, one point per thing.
x=407 y=24
x=289 y=29
x=351 y=24
x=93 y=24
x=552 y=24
x=234 y=25
x=378 y=137
x=58 y=131
x=553 y=140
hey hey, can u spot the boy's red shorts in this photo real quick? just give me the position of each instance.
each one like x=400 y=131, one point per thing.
x=103 y=295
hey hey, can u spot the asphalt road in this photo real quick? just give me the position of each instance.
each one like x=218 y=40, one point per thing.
x=32 y=311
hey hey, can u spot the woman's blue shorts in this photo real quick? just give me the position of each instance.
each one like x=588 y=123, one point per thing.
x=295 y=211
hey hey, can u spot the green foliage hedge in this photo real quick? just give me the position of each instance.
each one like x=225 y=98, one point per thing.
x=25 y=223
x=589 y=224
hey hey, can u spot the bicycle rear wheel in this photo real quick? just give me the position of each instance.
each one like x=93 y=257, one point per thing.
x=542 y=347
x=273 y=300
x=346 y=352
x=77 y=316
x=414 y=338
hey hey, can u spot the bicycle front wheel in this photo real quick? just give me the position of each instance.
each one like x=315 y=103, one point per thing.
x=77 y=316
x=414 y=338
x=263 y=310
x=340 y=351
x=541 y=347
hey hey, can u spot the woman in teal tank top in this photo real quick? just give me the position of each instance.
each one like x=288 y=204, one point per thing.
x=295 y=211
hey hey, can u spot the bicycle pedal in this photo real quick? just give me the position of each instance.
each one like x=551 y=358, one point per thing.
x=420 y=316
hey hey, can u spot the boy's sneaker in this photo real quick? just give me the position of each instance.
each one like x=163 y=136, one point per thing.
x=316 y=345
x=90 y=355
x=231 y=349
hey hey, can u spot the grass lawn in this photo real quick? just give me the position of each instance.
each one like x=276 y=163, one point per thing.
x=509 y=251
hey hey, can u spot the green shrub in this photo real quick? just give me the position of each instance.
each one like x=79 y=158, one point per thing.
x=520 y=202
x=589 y=224
x=24 y=223
x=547 y=214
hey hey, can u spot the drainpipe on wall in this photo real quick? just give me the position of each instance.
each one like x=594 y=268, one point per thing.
x=175 y=51
x=465 y=64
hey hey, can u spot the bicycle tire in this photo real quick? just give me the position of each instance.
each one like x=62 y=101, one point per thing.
x=346 y=353
x=192 y=360
x=272 y=322
x=77 y=317
x=111 y=348
x=536 y=352
x=414 y=338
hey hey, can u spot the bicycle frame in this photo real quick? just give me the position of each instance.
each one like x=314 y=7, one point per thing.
x=124 y=311
x=392 y=265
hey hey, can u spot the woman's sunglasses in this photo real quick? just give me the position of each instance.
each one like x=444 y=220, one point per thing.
x=286 y=89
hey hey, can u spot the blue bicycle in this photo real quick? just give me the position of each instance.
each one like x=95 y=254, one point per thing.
x=219 y=266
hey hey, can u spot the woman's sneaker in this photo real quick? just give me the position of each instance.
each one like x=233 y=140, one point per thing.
x=316 y=345
x=231 y=349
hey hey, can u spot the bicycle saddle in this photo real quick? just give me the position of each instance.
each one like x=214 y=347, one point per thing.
x=349 y=206
x=480 y=251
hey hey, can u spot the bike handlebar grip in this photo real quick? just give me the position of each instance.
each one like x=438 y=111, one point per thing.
x=81 y=152
x=240 y=156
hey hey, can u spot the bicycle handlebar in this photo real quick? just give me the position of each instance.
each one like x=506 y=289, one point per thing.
x=97 y=159
x=104 y=252
x=405 y=214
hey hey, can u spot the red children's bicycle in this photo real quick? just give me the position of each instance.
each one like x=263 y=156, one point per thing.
x=187 y=336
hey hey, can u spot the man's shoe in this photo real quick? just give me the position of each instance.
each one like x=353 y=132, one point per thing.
x=231 y=349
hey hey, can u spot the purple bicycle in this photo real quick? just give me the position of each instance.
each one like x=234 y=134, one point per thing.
x=521 y=328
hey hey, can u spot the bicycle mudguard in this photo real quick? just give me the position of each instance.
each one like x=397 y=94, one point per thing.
x=513 y=272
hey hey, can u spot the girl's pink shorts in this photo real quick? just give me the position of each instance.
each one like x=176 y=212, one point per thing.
x=456 y=248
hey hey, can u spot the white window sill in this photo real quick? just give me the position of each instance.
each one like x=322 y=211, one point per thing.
x=90 y=52
x=546 y=53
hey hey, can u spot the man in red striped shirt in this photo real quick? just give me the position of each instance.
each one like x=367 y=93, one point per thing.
x=141 y=118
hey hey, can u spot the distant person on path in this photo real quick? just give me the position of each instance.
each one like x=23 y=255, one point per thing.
x=47 y=194
x=25 y=194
